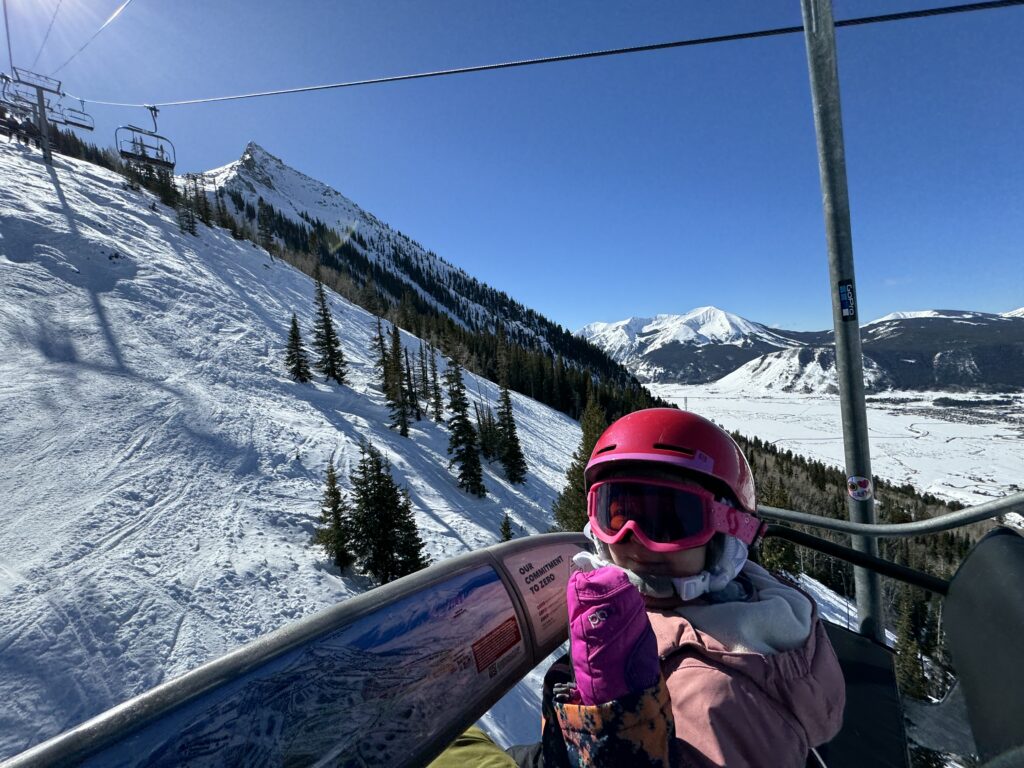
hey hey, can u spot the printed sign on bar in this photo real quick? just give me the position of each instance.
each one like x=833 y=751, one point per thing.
x=541 y=575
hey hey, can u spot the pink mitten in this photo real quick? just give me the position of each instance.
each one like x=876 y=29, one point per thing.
x=613 y=648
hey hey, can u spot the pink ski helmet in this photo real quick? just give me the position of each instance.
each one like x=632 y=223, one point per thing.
x=678 y=439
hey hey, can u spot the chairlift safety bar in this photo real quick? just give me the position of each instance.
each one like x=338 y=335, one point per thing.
x=990 y=509
x=36 y=80
x=855 y=557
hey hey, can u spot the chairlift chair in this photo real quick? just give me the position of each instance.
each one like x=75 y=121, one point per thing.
x=140 y=146
x=15 y=108
x=18 y=94
x=78 y=118
x=55 y=115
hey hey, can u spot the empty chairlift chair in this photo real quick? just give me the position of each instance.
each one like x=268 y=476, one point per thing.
x=138 y=146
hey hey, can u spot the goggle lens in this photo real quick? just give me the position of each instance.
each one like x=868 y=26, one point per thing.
x=665 y=514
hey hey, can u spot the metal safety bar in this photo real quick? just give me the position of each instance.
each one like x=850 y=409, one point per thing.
x=878 y=565
x=986 y=511
x=37 y=80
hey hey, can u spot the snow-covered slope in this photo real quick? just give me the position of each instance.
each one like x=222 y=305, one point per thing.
x=1014 y=313
x=807 y=370
x=928 y=313
x=161 y=476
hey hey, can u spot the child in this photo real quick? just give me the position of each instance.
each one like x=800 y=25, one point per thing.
x=737 y=660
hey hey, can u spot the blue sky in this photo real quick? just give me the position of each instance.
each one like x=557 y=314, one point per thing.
x=602 y=189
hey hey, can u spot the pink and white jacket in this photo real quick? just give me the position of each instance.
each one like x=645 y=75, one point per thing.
x=750 y=684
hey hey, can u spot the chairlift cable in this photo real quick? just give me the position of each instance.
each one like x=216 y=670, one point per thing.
x=47 y=35
x=7 y=29
x=982 y=6
x=105 y=24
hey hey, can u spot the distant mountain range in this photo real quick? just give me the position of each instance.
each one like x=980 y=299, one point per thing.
x=932 y=349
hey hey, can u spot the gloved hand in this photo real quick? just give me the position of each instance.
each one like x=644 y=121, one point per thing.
x=613 y=648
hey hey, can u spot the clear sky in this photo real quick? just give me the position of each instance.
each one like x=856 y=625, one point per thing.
x=603 y=189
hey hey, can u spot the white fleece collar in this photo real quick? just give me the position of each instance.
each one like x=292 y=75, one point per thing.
x=728 y=567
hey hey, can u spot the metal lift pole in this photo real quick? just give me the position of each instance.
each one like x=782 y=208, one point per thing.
x=44 y=128
x=819 y=34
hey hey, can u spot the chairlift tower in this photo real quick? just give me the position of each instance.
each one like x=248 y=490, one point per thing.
x=820 y=36
x=42 y=84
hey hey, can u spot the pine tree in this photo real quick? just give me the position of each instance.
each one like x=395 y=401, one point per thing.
x=487 y=430
x=510 y=452
x=412 y=398
x=777 y=554
x=335 y=518
x=396 y=394
x=296 y=359
x=370 y=298
x=570 y=508
x=436 y=404
x=265 y=225
x=506 y=528
x=424 y=391
x=408 y=546
x=224 y=219
x=331 y=361
x=380 y=357
x=187 y=211
x=385 y=540
x=202 y=201
x=462 y=443
x=909 y=672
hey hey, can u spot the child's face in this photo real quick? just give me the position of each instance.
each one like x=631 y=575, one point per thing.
x=634 y=556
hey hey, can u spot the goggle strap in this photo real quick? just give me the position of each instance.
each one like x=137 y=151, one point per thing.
x=736 y=522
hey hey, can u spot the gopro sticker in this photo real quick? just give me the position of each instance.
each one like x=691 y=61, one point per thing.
x=847 y=300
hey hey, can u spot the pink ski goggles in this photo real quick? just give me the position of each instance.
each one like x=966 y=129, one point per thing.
x=665 y=516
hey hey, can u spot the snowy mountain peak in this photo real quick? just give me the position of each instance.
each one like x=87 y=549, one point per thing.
x=649 y=345
x=256 y=152
x=717 y=325
x=1014 y=313
x=698 y=327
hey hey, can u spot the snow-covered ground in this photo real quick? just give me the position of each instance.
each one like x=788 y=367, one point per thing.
x=161 y=475
x=968 y=454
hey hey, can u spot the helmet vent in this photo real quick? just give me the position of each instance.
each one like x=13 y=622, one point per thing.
x=607 y=448
x=675 y=448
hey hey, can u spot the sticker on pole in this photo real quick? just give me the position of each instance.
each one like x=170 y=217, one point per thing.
x=847 y=300
x=859 y=488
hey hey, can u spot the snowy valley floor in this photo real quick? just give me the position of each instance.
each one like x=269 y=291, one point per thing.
x=968 y=454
